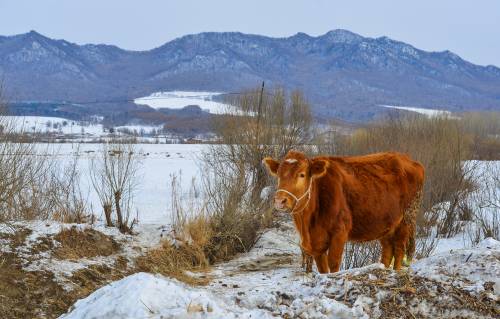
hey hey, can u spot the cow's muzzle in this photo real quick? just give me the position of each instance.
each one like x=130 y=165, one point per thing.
x=281 y=203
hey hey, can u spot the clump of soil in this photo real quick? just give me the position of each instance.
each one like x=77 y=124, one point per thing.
x=95 y=276
x=86 y=243
x=37 y=294
x=28 y=294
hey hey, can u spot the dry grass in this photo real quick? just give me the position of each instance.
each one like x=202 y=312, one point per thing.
x=87 y=243
x=175 y=262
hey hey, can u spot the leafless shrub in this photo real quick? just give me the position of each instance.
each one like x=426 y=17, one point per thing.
x=360 y=254
x=264 y=125
x=484 y=130
x=485 y=204
x=231 y=211
x=114 y=175
x=22 y=166
x=64 y=191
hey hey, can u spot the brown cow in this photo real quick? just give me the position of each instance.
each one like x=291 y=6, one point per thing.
x=358 y=198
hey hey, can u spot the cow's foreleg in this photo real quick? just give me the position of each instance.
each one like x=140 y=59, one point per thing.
x=321 y=263
x=307 y=261
x=336 y=250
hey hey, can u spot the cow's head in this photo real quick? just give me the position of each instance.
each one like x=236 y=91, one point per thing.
x=295 y=174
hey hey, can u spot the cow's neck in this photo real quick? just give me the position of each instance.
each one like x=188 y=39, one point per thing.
x=303 y=218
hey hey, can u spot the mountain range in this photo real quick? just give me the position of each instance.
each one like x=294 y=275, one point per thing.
x=343 y=74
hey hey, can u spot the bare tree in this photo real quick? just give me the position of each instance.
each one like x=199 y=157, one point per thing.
x=114 y=175
x=485 y=204
x=264 y=124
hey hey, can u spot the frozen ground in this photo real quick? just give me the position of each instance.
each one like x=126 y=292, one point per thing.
x=180 y=99
x=267 y=282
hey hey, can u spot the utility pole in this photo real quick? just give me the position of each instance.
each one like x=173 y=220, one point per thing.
x=259 y=172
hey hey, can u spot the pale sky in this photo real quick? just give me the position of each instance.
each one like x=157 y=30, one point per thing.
x=469 y=28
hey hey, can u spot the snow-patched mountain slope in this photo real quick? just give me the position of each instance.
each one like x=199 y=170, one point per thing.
x=268 y=282
x=180 y=99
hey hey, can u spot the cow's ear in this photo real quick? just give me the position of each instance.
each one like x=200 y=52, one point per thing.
x=318 y=167
x=272 y=165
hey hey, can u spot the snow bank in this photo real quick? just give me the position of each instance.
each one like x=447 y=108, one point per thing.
x=144 y=295
x=469 y=269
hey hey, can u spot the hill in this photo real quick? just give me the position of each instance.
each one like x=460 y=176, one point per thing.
x=343 y=74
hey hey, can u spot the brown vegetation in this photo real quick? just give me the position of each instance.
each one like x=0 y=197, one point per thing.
x=86 y=243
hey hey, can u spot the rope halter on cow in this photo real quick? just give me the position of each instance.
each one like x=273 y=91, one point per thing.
x=298 y=199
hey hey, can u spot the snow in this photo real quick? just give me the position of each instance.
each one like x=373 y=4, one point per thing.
x=62 y=126
x=467 y=268
x=264 y=283
x=180 y=99
x=158 y=163
x=427 y=112
x=145 y=295
x=45 y=124
x=146 y=237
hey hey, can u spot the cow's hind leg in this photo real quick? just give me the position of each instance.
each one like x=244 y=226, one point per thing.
x=321 y=263
x=387 y=250
x=399 y=239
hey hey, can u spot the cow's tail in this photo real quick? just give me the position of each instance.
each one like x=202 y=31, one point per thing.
x=410 y=219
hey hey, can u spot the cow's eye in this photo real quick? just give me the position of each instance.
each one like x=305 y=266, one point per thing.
x=302 y=175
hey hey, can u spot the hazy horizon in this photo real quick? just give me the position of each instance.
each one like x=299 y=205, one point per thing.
x=466 y=28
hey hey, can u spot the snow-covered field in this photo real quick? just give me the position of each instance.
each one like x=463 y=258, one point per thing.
x=158 y=163
x=45 y=124
x=427 y=112
x=62 y=126
x=180 y=99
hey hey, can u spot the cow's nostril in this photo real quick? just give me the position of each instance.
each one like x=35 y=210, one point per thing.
x=280 y=201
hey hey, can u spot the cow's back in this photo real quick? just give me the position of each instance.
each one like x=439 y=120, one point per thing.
x=377 y=189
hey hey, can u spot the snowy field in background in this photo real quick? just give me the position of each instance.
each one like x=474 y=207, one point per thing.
x=45 y=124
x=58 y=125
x=427 y=112
x=159 y=162
x=180 y=99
